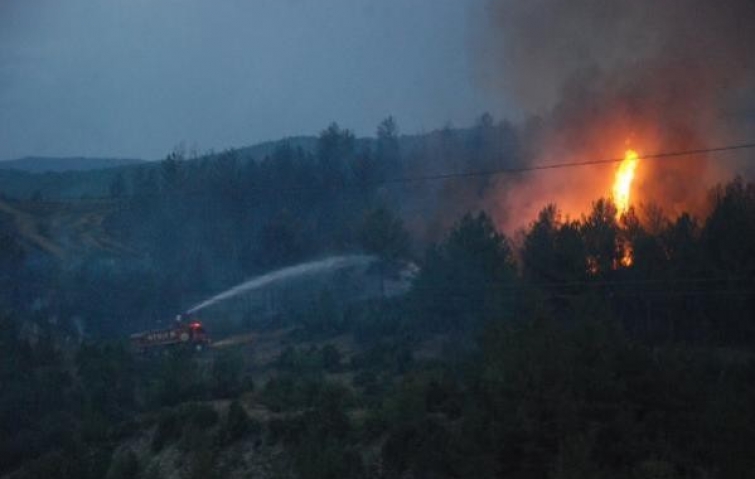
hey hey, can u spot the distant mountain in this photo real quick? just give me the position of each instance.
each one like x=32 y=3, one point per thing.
x=57 y=165
x=267 y=148
x=56 y=178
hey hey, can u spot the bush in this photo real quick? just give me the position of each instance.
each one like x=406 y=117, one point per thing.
x=390 y=356
x=238 y=424
x=227 y=373
x=124 y=466
x=307 y=360
x=422 y=447
x=200 y=415
x=331 y=358
x=286 y=393
x=168 y=430
x=203 y=464
x=189 y=422
x=286 y=430
x=153 y=472
x=325 y=459
x=278 y=394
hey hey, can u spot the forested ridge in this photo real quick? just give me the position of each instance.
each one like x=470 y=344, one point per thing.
x=546 y=355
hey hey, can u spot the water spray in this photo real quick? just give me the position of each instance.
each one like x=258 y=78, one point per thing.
x=334 y=263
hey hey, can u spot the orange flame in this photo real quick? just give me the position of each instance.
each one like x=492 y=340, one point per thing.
x=622 y=184
x=627 y=256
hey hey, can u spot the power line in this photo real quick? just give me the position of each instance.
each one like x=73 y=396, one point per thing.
x=450 y=298
x=500 y=171
x=518 y=284
x=432 y=177
x=554 y=166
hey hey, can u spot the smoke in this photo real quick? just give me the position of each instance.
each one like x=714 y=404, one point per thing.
x=653 y=75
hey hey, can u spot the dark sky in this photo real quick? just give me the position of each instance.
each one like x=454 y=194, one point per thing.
x=136 y=78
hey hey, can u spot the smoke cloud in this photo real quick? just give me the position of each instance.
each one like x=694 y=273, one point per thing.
x=653 y=75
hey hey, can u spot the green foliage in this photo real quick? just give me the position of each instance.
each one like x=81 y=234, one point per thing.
x=383 y=235
x=729 y=230
x=73 y=460
x=228 y=370
x=190 y=421
x=108 y=375
x=238 y=424
x=12 y=262
x=176 y=378
x=371 y=385
x=300 y=360
x=311 y=360
x=422 y=448
x=443 y=395
x=39 y=403
x=57 y=464
x=289 y=392
x=331 y=358
x=204 y=464
x=124 y=466
x=467 y=279
x=553 y=250
x=600 y=235
x=168 y=430
x=281 y=241
x=686 y=282
x=377 y=320
x=395 y=357
x=324 y=316
x=118 y=187
x=319 y=437
x=582 y=399
x=200 y=415
x=153 y=472
x=387 y=150
x=286 y=430
x=585 y=367
x=327 y=459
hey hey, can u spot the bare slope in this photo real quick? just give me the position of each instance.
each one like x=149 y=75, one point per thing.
x=62 y=230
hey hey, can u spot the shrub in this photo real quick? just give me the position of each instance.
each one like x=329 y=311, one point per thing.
x=168 y=430
x=331 y=358
x=238 y=424
x=200 y=415
x=227 y=373
x=124 y=466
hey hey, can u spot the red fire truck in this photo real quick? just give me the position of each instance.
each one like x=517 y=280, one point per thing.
x=181 y=333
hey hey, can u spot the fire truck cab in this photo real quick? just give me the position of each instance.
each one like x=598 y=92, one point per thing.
x=188 y=334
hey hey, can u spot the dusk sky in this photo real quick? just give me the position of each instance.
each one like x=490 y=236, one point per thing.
x=136 y=78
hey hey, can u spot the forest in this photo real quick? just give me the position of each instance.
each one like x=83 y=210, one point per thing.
x=551 y=355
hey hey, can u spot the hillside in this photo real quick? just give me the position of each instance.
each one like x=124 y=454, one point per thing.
x=63 y=231
x=57 y=185
x=546 y=356
x=38 y=164
x=66 y=178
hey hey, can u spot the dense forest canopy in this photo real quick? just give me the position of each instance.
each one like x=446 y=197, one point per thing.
x=560 y=357
x=564 y=293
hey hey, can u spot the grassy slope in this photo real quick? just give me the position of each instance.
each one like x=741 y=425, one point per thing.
x=62 y=230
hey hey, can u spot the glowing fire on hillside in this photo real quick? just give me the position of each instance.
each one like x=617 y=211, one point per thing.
x=622 y=190
x=627 y=255
x=622 y=186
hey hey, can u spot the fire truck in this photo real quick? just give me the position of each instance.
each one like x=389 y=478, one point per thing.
x=189 y=334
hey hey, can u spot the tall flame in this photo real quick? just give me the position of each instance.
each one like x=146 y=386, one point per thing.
x=622 y=184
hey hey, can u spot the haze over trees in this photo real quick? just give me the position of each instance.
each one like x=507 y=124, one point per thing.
x=547 y=355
